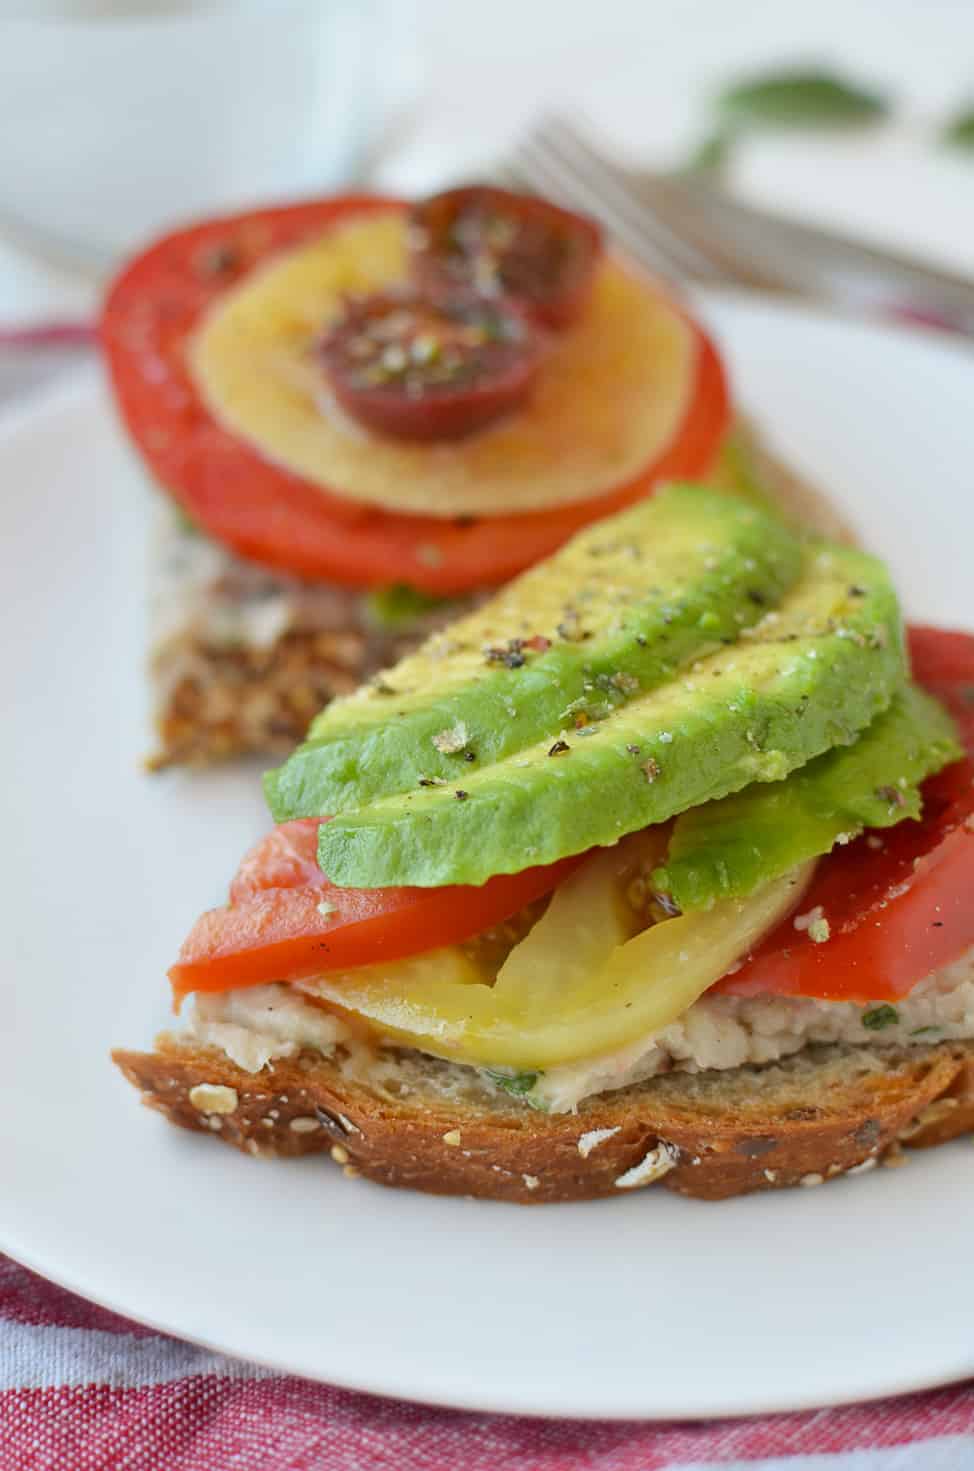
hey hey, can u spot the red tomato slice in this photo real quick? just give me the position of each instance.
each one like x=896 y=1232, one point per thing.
x=286 y=921
x=278 y=518
x=900 y=904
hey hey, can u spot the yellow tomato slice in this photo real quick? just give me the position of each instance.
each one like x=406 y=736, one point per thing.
x=589 y=917
x=611 y=394
x=552 y=1010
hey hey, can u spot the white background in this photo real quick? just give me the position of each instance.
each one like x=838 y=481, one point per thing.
x=644 y=70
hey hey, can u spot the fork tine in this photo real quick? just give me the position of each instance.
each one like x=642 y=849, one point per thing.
x=706 y=254
x=560 y=139
x=549 y=178
x=538 y=170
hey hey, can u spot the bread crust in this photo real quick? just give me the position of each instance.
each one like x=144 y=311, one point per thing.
x=711 y=1136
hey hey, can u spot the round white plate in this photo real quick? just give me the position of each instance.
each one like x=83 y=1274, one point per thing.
x=648 y=1306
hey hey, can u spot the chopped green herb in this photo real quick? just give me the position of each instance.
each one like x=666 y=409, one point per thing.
x=218 y=260
x=958 y=131
x=185 y=522
x=516 y=1084
x=924 y=1031
x=395 y=606
x=801 y=99
x=737 y=472
x=879 y=1017
x=712 y=155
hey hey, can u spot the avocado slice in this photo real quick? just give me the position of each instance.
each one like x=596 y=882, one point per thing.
x=811 y=675
x=729 y=848
x=613 y=614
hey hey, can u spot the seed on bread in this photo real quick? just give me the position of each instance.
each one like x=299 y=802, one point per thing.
x=653 y=1166
x=304 y=1124
x=593 y=1138
x=895 y=1157
x=339 y=1154
x=214 y=1098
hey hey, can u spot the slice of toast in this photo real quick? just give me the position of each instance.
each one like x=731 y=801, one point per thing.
x=243 y=657
x=413 y=1121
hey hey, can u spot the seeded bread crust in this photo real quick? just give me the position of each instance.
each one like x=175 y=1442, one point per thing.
x=821 y=1114
x=218 y=703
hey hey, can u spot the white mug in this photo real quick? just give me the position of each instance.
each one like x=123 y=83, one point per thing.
x=119 y=118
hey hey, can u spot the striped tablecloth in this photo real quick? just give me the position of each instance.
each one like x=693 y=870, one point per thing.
x=82 y=1388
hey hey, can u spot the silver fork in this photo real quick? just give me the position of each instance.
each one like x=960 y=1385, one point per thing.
x=687 y=231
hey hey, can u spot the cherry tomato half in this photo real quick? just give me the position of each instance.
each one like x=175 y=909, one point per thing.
x=490 y=240
x=416 y=367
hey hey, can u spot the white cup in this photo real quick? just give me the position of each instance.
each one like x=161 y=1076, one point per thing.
x=120 y=117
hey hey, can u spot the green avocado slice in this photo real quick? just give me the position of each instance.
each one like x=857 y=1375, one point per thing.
x=729 y=848
x=811 y=675
x=613 y=614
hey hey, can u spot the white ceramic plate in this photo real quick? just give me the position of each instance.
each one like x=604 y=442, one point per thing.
x=649 y=1306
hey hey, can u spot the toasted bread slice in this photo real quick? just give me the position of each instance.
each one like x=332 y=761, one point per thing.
x=410 y=1120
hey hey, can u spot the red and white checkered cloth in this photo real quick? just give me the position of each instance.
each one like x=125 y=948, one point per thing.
x=84 y=1390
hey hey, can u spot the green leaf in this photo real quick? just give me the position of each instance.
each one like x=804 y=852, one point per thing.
x=736 y=471
x=185 y=521
x=800 y=99
x=958 y=132
x=879 y=1017
x=398 y=605
x=712 y=155
x=517 y=1084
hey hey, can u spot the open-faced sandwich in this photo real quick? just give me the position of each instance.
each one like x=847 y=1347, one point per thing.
x=367 y=417
x=655 y=867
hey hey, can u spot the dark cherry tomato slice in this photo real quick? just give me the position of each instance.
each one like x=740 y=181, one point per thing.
x=490 y=240
x=409 y=365
x=899 y=903
x=286 y=921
